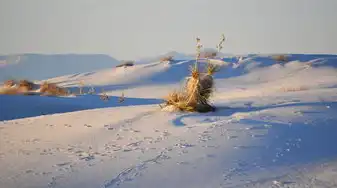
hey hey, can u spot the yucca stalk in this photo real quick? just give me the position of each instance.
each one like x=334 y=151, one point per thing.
x=222 y=40
x=198 y=47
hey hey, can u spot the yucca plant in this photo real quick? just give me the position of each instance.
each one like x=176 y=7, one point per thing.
x=198 y=88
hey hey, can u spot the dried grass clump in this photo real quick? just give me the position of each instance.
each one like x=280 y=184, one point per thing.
x=126 y=64
x=25 y=85
x=280 y=58
x=294 y=89
x=166 y=58
x=21 y=87
x=209 y=54
x=9 y=83
x=10 y=91
x=196 y=94
x=50 y=89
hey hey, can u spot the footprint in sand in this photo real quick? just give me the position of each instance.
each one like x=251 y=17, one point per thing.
x=67 y=125
x=86 y=125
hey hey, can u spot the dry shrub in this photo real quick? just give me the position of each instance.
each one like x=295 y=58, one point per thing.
x=12 y=87
x=52 y=89
x=104 y=96
x=196 y=93
x=209 y=54
x=280 y=58
x=166 y=58
x=294 y=89
x=25 y=85
x=9 y=83
x=10 y=91
x=126 y=64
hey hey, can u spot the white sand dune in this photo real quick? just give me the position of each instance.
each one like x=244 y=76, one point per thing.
x=275 y=126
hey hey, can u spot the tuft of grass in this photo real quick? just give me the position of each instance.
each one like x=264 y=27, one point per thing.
x=280 y=58
x=104 y=96
x=25 y=85
x=121 y=99
x=294 y=89
x=10 y=91
x=50 y=89
x=9 y=83
x=166 y=59
x=126 y=64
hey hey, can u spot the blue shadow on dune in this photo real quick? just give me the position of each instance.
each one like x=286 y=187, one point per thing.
x=15 y=107
x=225 y=111
x=278 y=143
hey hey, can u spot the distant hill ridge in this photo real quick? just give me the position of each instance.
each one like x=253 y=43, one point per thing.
x=43 y=66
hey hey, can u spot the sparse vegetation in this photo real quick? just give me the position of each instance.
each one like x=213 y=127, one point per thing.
x=209 y=54
x=280 y=58
x=166 y=59
x=126 y=64
x=9 y=83
x=121 y=98
x=104 y=96
x=294 y=89
x=50 y=89
x=25 y=87
x=198 y=89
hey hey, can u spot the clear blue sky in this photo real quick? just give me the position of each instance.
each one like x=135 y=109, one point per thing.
x=129 y=29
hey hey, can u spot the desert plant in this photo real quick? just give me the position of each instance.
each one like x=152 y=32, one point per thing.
x=166 y=58
x=209 y=54
x=121 y=98
x=198 y=89
x=294 y=88
x=9 y=83
x=280 y=58
x=25 y=85
x=10 y=91
x=104 y=96
x=222 y=40
x=51 y=89
x=126 y=64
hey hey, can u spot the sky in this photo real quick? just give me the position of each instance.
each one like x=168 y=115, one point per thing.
x=131 y=29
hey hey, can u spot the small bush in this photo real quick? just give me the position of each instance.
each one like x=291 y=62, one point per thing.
x=293 y=89
x=52 y=89
x=280 y=58
x=25 y=85
x=126 y=64
x=9 y=83
x=10 y=91
x=166 y=58
x=196 y=93
x=209 y=54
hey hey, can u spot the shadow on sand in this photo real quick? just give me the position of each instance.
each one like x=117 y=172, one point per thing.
x=282 y=144
x=15 y=107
